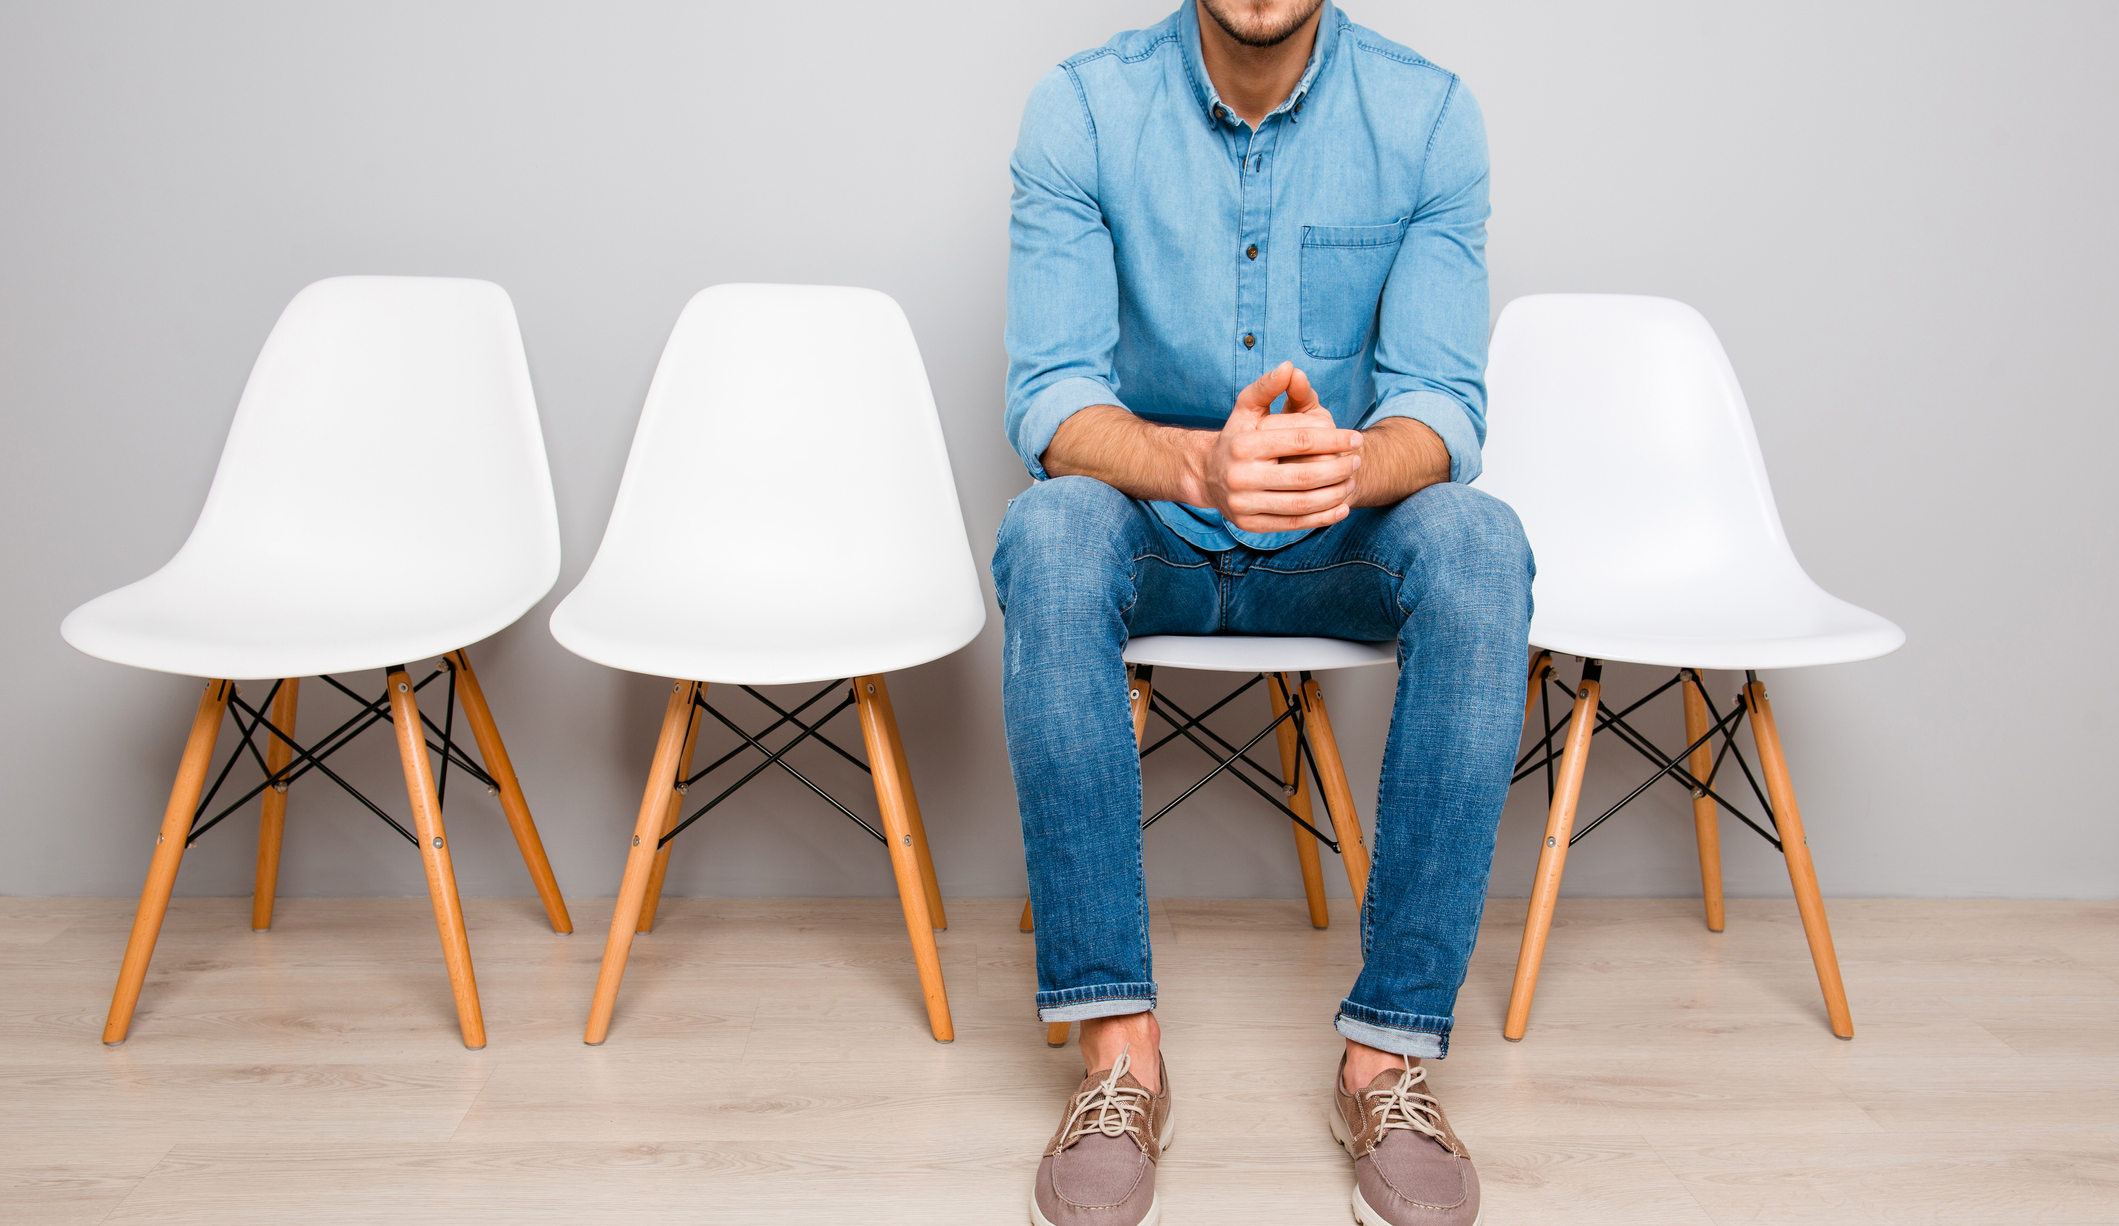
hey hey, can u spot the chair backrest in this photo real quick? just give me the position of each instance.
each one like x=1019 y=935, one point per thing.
x=1619 y=435
x=388 y=436
x=789 y=473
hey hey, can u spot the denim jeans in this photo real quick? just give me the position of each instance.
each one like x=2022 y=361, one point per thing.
x=1081 y=567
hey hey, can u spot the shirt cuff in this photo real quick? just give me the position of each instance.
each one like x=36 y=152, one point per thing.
x=1041 y=420
x=1447 y=418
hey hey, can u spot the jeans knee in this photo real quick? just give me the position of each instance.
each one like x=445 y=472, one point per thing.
x=1465 y=545
x=1065 y=526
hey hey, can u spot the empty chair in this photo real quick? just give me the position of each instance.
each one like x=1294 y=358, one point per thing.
x=1300 y=722
x=382 y=499
x=787 y=515
x=1619 y=435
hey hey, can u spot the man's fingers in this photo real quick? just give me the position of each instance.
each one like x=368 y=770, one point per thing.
x=1255 y=400
x=1292 y=503
x=1301 y=396
x=1314 y=473
x=1294 y=440
x=1291 y=523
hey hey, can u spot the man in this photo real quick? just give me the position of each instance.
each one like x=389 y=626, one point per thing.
x=1254 y=200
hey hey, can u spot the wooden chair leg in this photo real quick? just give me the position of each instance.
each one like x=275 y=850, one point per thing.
x=1056 y=1034
x=512 y=802
x=168 y=854
x=928 y=882
x=1299 y=800
x=272 y=811
x=1552 y=858
x=1338 y=797
x=640 y=861
x=434 y=854
x=1796 y=848
x=661 y=869
x=1706 y=823
x=892 y=799
x=1540 y=664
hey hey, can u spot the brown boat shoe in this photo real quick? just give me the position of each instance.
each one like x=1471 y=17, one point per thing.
x=1099 y=1169
x=1409 y=1168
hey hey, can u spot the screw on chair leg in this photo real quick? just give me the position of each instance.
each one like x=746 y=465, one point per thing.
x=892 y=799
x=640 y=861
x=1552 y=857
x=434 y=855
x=512 y=801
x=1802 y=874
x=168 y=854
x=1706 y=821
x=1277 y=688
x=653 y=901
x=272 y=809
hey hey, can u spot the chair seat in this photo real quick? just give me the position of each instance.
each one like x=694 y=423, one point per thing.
x=1243 y=653
x=293 y=621
x=699 y=631
x=1735 y=621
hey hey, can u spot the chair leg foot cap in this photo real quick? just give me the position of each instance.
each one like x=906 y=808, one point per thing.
x=114 y=1042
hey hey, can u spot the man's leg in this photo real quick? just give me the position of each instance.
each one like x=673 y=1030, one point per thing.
x=1446 y=572
x=1076 y=562
x=1077 y=568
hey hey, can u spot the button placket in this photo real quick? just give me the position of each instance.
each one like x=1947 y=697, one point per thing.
x=1255 y=183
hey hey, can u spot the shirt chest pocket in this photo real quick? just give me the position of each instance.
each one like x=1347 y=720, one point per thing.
x=1343 y=271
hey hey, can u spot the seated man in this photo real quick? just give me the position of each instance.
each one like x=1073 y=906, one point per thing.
x=1255 y=199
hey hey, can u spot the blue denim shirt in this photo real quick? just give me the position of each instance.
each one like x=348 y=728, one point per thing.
x=1164 y=254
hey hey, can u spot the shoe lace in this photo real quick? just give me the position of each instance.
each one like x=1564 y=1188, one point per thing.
x=1401 y=1105
x=1106 y=1107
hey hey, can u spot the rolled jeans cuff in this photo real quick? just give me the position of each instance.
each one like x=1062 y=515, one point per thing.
x=1096 y=1000
x=1407 y=1034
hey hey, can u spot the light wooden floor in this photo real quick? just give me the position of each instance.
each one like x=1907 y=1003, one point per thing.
x=770 y=1064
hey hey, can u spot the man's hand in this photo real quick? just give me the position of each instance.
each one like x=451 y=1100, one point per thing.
x=1264 y=471
x=1281 y=472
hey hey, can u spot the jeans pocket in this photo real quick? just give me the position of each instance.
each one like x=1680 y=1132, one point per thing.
x=1343 y=271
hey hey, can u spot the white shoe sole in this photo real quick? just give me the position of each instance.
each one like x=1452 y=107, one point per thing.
x=1362 y=1213
x=1155 y=1207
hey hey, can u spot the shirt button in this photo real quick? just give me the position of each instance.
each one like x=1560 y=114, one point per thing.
x=1249 y=340
x=1252 y=251
x=1220 y=114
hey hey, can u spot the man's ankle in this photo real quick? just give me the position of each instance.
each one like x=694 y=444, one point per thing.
x=1364 y=1062
x=1137 y=1034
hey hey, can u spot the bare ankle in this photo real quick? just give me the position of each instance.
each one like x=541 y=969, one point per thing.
x=1363 y=1063
x=1103 y=1038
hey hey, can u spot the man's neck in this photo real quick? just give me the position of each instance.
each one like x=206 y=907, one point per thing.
x=1254 y=80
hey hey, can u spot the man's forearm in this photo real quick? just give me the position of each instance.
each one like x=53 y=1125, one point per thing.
x=1399 y=458
x=1139 y=459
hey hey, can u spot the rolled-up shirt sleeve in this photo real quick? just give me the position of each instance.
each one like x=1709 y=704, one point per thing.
x=1432 y=325
x=1062 y=281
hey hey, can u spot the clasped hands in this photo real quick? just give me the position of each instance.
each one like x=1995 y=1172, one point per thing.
x=1278 y=472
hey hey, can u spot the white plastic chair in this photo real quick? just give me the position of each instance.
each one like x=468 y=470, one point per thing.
x=382 y=498
x=1304 y=732
x=1619 y=435
x=787 y=515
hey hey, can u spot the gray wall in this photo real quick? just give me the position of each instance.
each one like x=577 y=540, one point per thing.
x=1899 y=217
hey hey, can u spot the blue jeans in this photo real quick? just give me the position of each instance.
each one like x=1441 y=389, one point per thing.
x=1081 y=567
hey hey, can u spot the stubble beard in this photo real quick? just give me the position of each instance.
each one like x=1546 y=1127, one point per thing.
x=1252 y=33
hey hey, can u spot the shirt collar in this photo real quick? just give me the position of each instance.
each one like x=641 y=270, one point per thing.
x=1203 y=85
